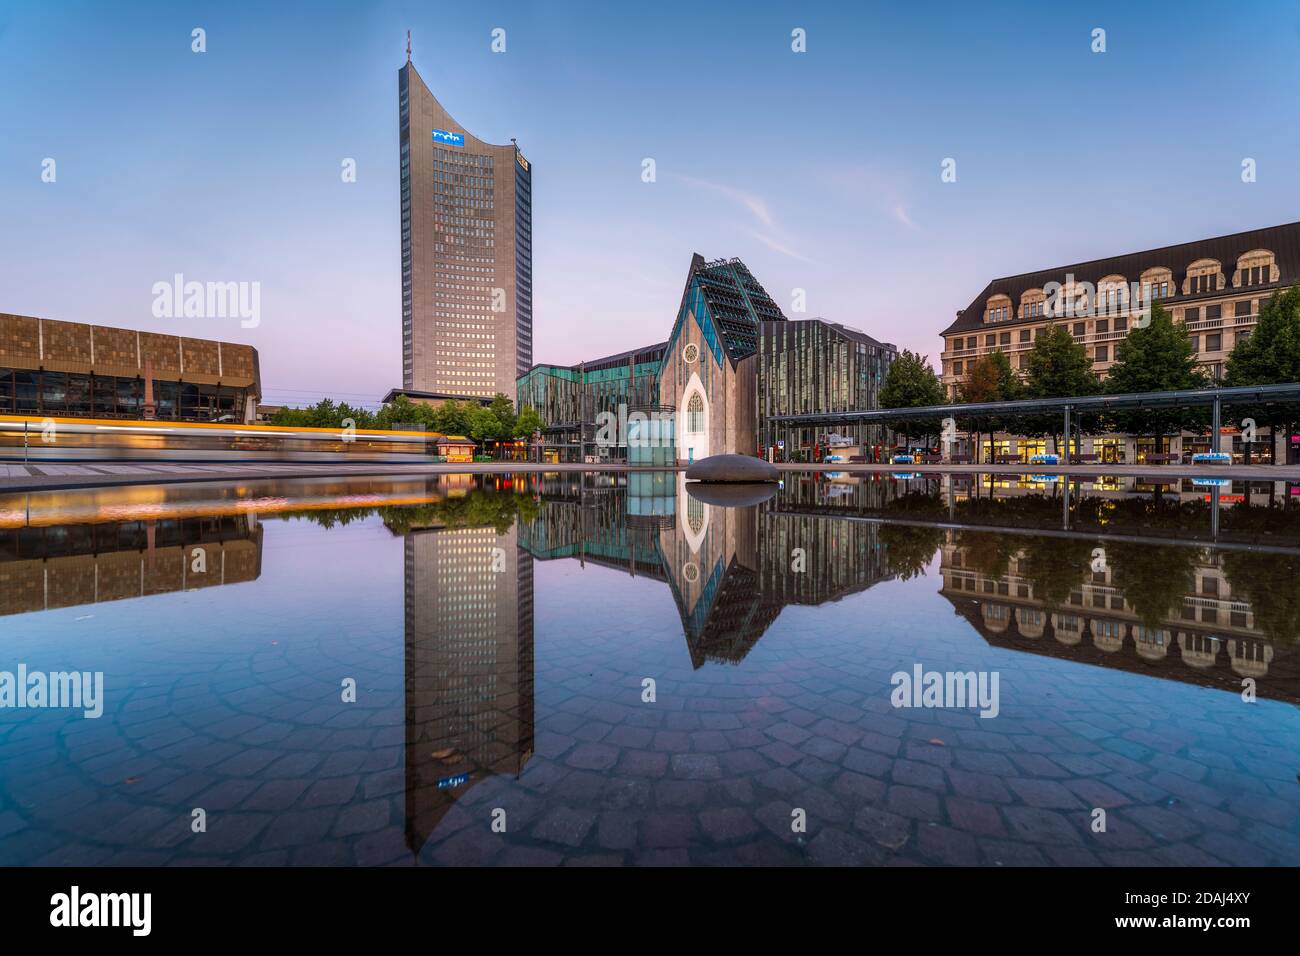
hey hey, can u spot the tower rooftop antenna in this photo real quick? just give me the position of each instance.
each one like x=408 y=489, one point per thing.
x=408 y=46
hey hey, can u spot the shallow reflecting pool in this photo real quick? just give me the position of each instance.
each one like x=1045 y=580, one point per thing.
x=600 y=669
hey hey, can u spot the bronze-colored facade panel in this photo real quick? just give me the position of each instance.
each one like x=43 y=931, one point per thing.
x=163 y=351
x=68 y=341
x=70 y=368
x=115 y=349
x=20 y=339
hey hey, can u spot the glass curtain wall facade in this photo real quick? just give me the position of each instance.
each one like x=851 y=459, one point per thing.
x=811 y=367
x=574 y=400
x=71 y=395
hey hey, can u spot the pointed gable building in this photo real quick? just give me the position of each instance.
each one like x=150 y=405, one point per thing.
x=708 y=371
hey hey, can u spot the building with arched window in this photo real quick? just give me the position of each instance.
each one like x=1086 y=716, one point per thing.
x=733 y=367
x=1213 y=287
x=709 y=370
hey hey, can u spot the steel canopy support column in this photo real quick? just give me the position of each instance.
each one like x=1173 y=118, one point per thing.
x=1214 y=427
x=1066 y=457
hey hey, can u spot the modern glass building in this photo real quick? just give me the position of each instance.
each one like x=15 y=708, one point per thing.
x=810 y=367
x=75 y=370
x=731 y=365
x=467 y=257
x=575 y=400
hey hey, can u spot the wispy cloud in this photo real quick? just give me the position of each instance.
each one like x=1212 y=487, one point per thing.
x=771 y=235
x=777 y=246
x=756 y=205
x=880 y=189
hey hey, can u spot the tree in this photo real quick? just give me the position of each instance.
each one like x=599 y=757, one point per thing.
x=1267 y=581
x=1269 y=356
x=482 y=424
x=1157 y=358
x=324 y=414
x=1056 y=567
x=990 y=379
x=912 y=383
x=909 y=550
x=988 y=553
x=529 y=421
x=1057 y=366
x=503 y=409
x=402 y=411
x=452 y=417
x=1154 y=580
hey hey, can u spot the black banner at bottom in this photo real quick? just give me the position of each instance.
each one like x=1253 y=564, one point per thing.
x=334 y=906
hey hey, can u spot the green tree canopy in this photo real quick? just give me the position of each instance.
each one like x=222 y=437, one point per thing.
x=503 y=410
x=990 y=378
x=1269 y=356
x=1268 y=582
x=1156 y=358
x=1153 y=580
x=912 y=383
x=1058 y=366
x=324 y=414
x=529 y=421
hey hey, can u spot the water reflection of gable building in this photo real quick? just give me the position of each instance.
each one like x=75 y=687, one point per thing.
x=731 y=570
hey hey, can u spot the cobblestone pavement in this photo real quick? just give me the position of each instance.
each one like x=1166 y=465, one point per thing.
x=228 y=699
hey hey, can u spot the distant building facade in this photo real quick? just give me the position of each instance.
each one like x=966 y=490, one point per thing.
x=469 y=667
x=812 y=367
x=466 y=229
x=43 y=567
x=75 y=370
x=573 y=400
x=1212 y=287
x=732 y=364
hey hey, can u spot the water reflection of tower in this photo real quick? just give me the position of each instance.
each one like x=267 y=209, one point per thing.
x=469 y=666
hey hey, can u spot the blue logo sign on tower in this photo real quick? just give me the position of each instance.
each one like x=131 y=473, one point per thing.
x=448 y=139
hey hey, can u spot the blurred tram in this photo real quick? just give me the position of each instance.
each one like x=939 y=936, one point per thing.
x=27 y=438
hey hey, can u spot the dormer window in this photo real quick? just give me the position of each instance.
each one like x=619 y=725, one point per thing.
x=1032 y=304
x=1203 y=277
x=1257 y=267
x=998 y=309
x=1156 y=284
x=1112 y=295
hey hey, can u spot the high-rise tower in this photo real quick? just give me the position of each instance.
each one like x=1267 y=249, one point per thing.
x=467 y=254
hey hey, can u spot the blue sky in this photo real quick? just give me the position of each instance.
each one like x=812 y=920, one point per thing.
x=820 y=169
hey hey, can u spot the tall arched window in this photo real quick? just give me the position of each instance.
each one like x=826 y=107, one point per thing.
x=695 y=414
